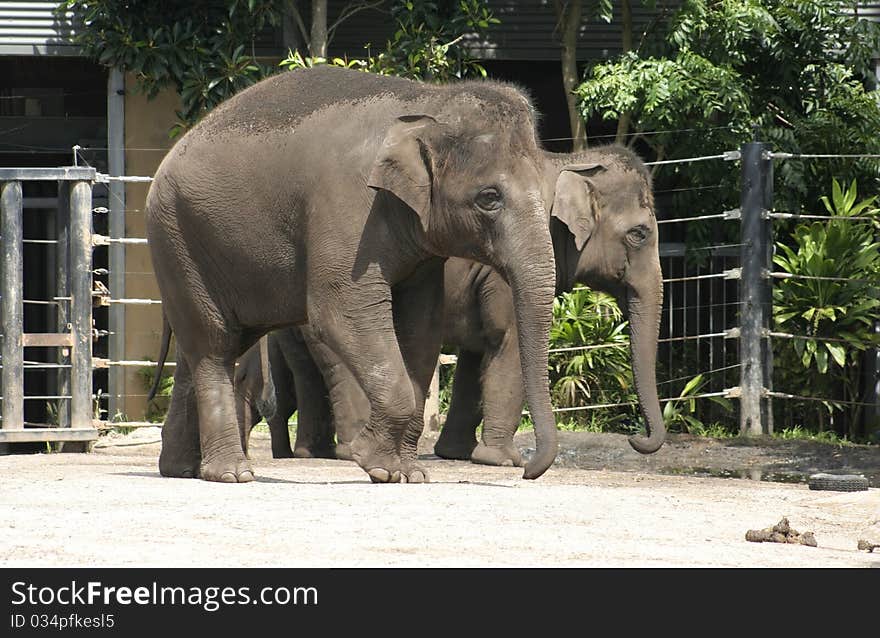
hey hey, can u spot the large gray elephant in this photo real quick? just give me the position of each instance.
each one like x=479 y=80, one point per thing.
x=604 y=234
x=331 y=197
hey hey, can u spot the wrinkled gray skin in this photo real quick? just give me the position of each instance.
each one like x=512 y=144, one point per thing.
x=315 y=196
x=605 y=235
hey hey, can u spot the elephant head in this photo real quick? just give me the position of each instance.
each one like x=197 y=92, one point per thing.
x=605 y=235
x=471 y=171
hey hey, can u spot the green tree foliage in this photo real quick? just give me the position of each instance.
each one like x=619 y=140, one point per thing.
x=427 y=45
x=203 y=49
x=832 y=302
x=795 y=70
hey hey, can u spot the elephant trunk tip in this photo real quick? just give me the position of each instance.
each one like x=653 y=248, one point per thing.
x=543 y=459
x=648 y=444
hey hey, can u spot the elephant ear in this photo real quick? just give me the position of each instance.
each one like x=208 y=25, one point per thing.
x=573 y=201
x=403 y=166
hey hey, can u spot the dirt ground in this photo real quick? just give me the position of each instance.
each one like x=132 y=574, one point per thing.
x=601 y=505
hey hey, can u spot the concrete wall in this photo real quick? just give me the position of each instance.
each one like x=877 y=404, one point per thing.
x=147 y=123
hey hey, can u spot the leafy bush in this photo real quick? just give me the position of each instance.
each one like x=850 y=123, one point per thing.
x=681 y=414
x=830 y=304
x=582 y=374
x=158 y=407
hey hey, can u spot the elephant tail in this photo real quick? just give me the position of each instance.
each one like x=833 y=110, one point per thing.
x=163 y=354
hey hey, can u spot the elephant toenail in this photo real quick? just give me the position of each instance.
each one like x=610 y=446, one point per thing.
x=379 y=475
x=246 y=477
x=228 y=477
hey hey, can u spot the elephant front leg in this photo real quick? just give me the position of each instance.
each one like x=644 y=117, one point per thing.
x=181 y=452
x=365 y=341
x=503 y=399
x=223 y=459
x=458 y=438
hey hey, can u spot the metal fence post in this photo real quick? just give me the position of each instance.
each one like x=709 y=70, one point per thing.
x=80 y=277
x=116 y=227
x=12 y=305
x=755 y=307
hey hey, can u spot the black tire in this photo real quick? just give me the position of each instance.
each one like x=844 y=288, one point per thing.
x=838 y=482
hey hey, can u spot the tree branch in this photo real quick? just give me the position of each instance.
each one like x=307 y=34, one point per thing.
x=291 y=7
x=560 y=9
x=777 y=113
x=349 y=10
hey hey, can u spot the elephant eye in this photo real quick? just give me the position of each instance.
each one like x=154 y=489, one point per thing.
x=489 y=199
x=637 y=234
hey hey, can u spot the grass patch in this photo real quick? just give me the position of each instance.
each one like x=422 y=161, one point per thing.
x=798 y=433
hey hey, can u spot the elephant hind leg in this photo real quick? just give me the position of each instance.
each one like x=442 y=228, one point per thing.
x=458 y=437
x=314 y=429
x=181 y=451
x=223 y=459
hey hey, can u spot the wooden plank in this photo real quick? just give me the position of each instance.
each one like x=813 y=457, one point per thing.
x=47 y=339
x=74 y=173
x=36 y=435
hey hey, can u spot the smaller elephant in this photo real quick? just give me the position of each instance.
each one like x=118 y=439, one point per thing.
x=257 y=396
x=266 y=380
x=604 y=234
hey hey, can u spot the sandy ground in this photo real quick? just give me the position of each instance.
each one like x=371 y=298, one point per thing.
x=111 y=508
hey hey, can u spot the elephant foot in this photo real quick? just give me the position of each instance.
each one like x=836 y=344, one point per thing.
x=500 y=455
x=177 y=464
x=407 y=474
x=282 y=453
x=303 y=452
x=343 y=452
x=413 y=473
x=231 y=470
x=458 y=449
x=377 y=456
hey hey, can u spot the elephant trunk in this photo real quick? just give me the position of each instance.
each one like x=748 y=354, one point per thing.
x=532 y=278
x=645 y=307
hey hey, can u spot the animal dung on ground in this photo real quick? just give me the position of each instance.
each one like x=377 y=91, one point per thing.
x=867 y=546
x=782 y=532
